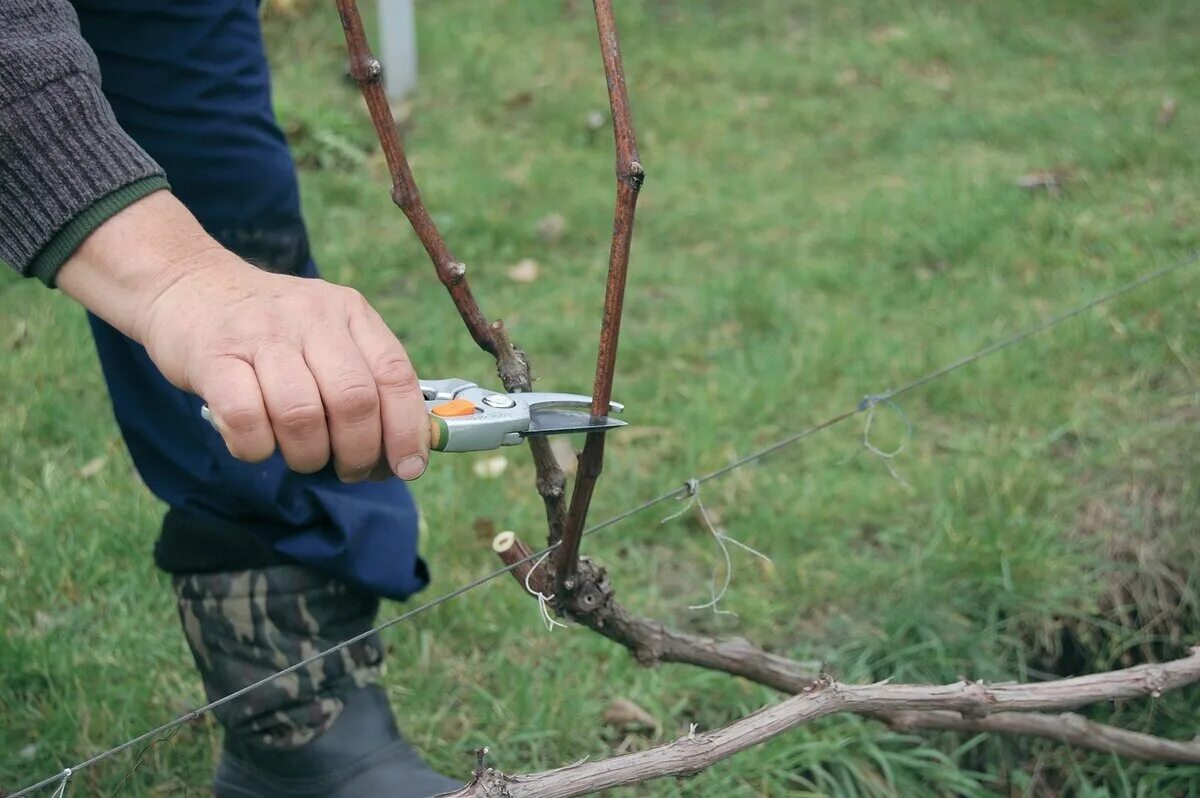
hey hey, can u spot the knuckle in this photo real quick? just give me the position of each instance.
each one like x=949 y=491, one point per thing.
x=242 y=421
x=394 y=371
x=302 y=421
x=354 y=298
x=406 y=437
x=356 y=401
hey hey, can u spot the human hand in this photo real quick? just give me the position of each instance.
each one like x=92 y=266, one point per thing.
x=288 y=362
x=299 y=363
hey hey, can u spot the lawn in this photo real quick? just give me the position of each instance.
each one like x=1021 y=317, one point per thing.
x=832 y=208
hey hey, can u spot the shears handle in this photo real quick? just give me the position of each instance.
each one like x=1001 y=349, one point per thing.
x=461 y=425
x=454 y=426
x=439 y=434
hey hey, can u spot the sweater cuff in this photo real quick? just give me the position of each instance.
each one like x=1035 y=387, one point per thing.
x=45 y=264
x=61 y=151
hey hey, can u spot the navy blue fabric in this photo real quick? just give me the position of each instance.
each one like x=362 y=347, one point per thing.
x=188 y=80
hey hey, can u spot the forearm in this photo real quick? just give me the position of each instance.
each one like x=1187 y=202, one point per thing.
x=130 y=260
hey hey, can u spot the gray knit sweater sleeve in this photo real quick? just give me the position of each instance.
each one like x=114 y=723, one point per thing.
x=65 y=163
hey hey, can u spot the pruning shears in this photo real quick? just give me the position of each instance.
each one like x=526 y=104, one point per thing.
x=464 y=417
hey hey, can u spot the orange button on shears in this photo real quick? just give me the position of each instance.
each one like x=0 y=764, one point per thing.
x=454 y=408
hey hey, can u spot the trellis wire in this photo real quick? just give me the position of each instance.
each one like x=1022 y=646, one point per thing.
x=64 y=775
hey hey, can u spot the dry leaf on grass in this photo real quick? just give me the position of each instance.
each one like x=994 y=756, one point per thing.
x=524 y=272
x=43 y=621
x=625 y=715
x=20 y=335
x=1166 y=113
x=485 y=528
x=285 y=7
x=888 y=33
x=1051 y=180
x=550 y=228
x=631 y=743
x=522 y=99
x=490 y=467
x=595 y=120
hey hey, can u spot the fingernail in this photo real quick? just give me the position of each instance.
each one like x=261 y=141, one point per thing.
x=411 y=467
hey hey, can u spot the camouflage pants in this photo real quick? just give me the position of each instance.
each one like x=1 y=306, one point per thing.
x=243 y=626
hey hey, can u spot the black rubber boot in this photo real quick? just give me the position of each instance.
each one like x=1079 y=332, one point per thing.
x=323 y=731
x=361 y=755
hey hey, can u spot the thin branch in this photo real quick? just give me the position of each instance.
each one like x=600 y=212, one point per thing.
x=593 y=605
x=588 y=468
x=1074 y=730
x=515 y=373
x=368 y=73
x=630 y=176
x=695 y=752
x=514 y=552
x=650 y=642
x=511 y=364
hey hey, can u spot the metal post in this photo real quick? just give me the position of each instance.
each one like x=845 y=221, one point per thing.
x=398 y=45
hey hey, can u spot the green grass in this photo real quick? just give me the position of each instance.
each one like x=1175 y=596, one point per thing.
x=831 y=209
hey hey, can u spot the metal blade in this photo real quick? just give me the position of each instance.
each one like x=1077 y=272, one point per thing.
x=562 y=422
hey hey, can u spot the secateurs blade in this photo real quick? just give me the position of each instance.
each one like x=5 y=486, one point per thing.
x=464 y=417
x=467 y=418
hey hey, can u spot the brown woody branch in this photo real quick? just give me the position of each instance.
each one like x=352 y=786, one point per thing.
x=368 y=73
x=1074 y=730
x=692 y=754
x=630 y=175
x=551 y=481
x=594 y=605
x=511 y=364
x=513 y=552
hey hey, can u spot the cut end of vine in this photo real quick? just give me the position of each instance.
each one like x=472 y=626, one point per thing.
x=503 y=542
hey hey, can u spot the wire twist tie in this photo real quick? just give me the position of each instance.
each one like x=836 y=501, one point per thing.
x=693 y=493
x=868 y=404
x=870 y=400
x=543 y=599
x=62 y=785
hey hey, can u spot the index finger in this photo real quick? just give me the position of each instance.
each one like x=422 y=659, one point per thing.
x=401 y=405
